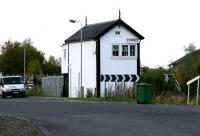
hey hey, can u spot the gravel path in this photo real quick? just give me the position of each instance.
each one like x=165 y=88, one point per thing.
x=12 y=126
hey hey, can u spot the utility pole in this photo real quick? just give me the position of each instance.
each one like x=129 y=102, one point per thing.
x=24 y=65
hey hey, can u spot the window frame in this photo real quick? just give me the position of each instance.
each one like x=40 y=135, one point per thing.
x=130 y=51
x=120 y=51
x=115 y=51
x=124 y=52
x=117 y=32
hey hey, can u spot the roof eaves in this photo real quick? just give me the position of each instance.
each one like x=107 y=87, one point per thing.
x=120 y=22
x=131 y=29
x=78 y=40
x=106 y=30
x=182 y=58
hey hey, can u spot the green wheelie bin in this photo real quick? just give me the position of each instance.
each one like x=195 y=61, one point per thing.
x=144 y=93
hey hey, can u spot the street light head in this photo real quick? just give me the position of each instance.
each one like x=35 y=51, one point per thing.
x=72 y=21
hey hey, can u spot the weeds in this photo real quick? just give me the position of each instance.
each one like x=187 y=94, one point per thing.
x=33 y=93
x=170 y=98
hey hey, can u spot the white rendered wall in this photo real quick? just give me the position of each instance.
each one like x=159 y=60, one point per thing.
x=116 y=65
x=88 y=67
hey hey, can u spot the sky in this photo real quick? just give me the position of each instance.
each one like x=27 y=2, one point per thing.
x=167 y=25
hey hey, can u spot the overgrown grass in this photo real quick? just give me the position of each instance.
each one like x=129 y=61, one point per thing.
x=157 y=100
x=104 y=99
x=88 y=99
x=33 y=93
x=161 y=99
x=119 y=99
x=170 y=98
x=164 y=98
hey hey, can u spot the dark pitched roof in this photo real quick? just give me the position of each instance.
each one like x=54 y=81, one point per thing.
x=182 y=58
x=95 y=31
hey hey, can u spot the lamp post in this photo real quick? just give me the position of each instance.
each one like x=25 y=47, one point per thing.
x=74 y=21
x=24 y=65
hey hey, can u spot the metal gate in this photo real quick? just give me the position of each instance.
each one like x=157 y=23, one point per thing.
x=52 y=86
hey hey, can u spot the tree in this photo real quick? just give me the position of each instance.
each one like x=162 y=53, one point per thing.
x=34 y=67
x=11 y=58
x=188 y=68
x=190 y=48
x=52 y=66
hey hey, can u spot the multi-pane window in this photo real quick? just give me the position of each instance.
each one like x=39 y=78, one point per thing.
x=132 y=50
x=64 y=51
x=115 y=50
x=117 y=32
x=124 y=50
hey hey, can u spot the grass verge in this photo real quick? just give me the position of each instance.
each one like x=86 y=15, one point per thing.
x=177 y=100
x=94 y=99
x=33 y=93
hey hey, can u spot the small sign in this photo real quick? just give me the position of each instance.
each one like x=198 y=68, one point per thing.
x=132 y=40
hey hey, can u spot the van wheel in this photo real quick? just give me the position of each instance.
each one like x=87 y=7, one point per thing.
x=3 y=95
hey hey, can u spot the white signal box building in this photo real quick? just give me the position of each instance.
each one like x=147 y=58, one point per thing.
x=110 y=55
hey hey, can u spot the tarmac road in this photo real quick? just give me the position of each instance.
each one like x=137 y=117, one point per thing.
x=58 y=117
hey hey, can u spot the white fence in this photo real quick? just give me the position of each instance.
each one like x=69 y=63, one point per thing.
x=52 y=86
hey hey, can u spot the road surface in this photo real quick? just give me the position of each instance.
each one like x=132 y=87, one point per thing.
x=59 y=117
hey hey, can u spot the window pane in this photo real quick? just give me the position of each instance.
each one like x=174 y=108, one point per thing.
x=132 y=50
x=124 y=50
x=115 y=50
x=12 y=80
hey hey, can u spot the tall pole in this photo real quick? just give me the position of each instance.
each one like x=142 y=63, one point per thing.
x=188 y=97
x=24 y=64
x=81 y=57
x=81 y=68
x=197 y=100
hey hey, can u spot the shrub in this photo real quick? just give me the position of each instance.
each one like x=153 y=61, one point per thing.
x=155 y=76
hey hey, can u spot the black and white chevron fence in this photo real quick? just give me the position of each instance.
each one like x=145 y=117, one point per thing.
x=119 y=78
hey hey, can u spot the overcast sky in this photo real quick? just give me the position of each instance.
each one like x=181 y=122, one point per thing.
x=167 y=25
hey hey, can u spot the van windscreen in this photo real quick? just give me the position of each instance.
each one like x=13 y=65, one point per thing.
x=12 y=80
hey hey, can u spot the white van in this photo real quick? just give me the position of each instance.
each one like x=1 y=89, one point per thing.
x=11 y=86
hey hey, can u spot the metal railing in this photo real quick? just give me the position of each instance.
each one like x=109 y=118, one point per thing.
x=197 y=78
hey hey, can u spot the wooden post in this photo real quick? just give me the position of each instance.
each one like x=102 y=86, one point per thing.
x=188 y=98
x=105 y=90
x=197 y=100
x=115 y=88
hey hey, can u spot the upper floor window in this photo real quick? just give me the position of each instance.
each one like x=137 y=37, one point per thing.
x=117 y=32
x=132 y=50
x=124 y=50
x=115 y=50
x=64 y=51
